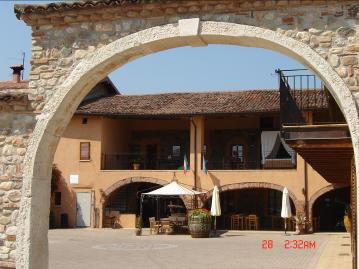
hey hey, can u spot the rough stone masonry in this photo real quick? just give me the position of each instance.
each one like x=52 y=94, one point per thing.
x=63 y=35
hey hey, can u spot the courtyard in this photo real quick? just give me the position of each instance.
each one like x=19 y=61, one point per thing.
x=107 y=248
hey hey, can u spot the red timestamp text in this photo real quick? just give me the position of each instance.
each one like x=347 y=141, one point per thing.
x=291 y=244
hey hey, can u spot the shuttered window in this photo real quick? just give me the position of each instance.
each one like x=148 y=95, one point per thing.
x=57 y=198
x=85 y=151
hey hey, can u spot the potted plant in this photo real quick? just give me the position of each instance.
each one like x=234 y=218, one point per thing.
x=300 y=221
x=199 y=223
x=139 y=226
x=136 y=164
x=346 y=219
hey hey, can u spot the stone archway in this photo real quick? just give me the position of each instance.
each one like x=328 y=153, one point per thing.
x=32 y=234
x=258 y=185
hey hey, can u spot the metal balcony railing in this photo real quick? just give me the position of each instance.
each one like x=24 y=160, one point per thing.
x=131 y=161
x=272 y=162
x=299 y=93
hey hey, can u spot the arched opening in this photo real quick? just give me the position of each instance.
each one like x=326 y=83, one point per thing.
x=329 y=210
x=264 y=203
x=92 y=69
x=122 y=206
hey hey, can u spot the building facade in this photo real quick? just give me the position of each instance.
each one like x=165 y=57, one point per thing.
x=119 y=146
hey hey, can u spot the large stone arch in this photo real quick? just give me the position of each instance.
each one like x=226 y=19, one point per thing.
x=320 y=192
x=32 y=245
x=256 y=185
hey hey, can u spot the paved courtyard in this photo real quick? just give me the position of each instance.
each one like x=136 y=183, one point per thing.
x=104 y=249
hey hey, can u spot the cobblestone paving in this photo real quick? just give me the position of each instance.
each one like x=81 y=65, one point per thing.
x=103 y=249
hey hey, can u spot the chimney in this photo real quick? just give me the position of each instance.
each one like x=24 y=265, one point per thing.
x=16 y=72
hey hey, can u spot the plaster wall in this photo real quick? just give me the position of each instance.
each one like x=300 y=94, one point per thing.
x=92 y=178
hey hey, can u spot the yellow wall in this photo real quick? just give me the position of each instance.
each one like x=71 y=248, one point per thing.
x=114 y=135
x=67 y=158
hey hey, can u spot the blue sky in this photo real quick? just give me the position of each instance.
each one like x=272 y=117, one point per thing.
x=216 y=67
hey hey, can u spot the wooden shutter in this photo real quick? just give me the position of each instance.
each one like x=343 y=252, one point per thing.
x=84 y=150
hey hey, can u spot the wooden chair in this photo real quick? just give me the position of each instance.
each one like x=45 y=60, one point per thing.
x=110 y=222
x=154 y=225
x=237 y=222
x=166 y=226
x=252 y=222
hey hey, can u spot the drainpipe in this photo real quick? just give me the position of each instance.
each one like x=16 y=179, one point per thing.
x=306 y=209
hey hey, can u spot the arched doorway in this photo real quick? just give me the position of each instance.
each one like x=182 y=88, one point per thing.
x=58 y=111
x=123 y=205
x=329 y=209
x=263 y=202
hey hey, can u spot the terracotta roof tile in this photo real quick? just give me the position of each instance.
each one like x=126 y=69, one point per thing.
x=202 y=103
x=21 y=9
x=5 y=85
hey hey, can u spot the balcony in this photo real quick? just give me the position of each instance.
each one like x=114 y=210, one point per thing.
x=313 y=125
x=131 y=161
x=238 y=142
x=280 y=161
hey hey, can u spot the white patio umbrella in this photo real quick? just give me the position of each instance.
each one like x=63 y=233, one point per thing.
x=215 y=206
x=286 y=210
x=172 y=189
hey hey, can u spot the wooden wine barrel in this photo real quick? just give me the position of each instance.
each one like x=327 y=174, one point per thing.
x=199 y=227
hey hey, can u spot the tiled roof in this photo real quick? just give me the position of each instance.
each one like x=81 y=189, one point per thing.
x=63 y=6
x=201 y=103
x=8 y=85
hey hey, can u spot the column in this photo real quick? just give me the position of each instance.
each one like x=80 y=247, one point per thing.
x=196 y=143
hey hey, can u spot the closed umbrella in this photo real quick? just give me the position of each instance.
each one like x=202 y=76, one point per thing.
x=215 y=206
x=286 y=210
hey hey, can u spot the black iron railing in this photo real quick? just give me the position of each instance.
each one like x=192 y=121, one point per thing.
x=131 y=161
x=232 y=164
x=300 y=93
x=274 y=162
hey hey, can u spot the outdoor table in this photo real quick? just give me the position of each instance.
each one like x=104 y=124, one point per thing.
x=166 y=225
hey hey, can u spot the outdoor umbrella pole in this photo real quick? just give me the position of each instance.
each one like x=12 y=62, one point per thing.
x=285 y=226
x=141 y=201
x=215 y=225
x=157 y=208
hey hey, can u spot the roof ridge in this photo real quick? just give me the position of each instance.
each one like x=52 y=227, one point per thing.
x=204 y=92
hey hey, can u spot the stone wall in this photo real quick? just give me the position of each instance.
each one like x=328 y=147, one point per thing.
x=62 y=40
x=332 y=31
x=17 y=121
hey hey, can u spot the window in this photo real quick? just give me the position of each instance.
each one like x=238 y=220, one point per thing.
x=57 y=198
x=237 y=152
x=84 y=151
x=176 y=152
